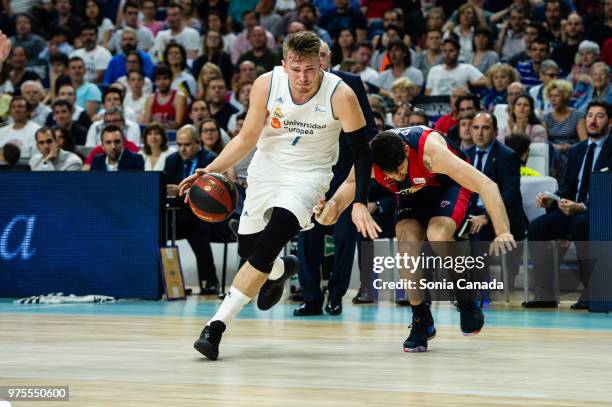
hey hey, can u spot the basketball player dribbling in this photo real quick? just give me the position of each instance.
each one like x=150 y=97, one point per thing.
x=433 y=182
x=295 y=117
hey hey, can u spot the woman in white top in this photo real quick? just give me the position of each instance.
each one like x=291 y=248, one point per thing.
x=523 y=120
x=469 y=20
x=136 y=97
x=182 y=80
x=155 y=150
x=93 y=13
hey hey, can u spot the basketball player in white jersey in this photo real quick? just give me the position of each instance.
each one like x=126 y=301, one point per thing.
x=295 y=116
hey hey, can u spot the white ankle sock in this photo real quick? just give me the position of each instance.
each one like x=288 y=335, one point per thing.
x=232 y=304
x=278 y=268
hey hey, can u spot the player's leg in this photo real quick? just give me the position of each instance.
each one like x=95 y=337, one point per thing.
x=282 y=226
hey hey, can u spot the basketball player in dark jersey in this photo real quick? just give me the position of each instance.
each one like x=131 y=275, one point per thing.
x=433 y=181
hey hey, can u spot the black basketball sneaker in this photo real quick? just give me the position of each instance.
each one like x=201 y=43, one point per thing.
x=472 y=317
x=208 y=342
x=272 y=290
x=422 y=330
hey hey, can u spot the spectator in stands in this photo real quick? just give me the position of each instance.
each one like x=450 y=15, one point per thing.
x=33 y=92
x=51 y=157
x=502 y=111
x=468 y=103
x=554 y=18
x=65 y=141
x=392 y=16
x=115 y=157
x=165 y=106
x=483 y=56
x=177 y=31
x=214 y=53
x=115 y=115
x=79 y=115
x=520 y=143
x=469 y=20
x=188 y=16
x=443 y=78
x=211 y=140
x=19 y=72
x=155 y=147
x=523 y=120
x=93 y=14
x=403 y=91
x=178 y=166
x=149 y=20
x=58 y=43
x=600 y=31
x=565 y=125
x=9 y=158
x=95 y=57
x=539 y=50
x=56 y=76
x=500 y=76
x=445 y=122
x=399 y=68
x=259 y=53
x=33 y=44
x=135 y=98
x=588 y=54
x=418 y=118
x=381 y=60
x=182 y=80
x=465 y=130
x=564 y=53
x=220 y=109
x=209 y=71
x=65 y=18
x=242 y=45
x=534 y=30
x=400 y=115
x=240 y=99
x=570 y=216
x=63 y=117
x=342 y=47
x=113 y=97
x=21 y=132
x=596 y=87
x=307 y=15
x=268 y=18
x=512 y=38
x=215 y=22
x=88 y=95
x=119 y=64
x=432 y=54
x=362 y=53
x=549 y=70
x=143 y=36
x=344 y=16
x=197 y=112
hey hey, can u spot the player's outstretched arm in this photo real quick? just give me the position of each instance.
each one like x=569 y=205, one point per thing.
x=439 y=159
x=245 y=140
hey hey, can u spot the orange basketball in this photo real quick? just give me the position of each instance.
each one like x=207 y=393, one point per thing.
x=213 y=197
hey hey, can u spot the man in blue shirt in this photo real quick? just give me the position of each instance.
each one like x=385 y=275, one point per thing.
x=117 y=67
x=539 y=50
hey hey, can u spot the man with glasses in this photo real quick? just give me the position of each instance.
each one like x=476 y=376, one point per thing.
x=51 y=157
x=549 y=70
x=115 y=157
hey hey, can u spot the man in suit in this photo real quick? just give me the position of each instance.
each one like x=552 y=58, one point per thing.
x=569 y=217
x=178 y=166
x=115 y=157
x=502 y=165
x=311 y=242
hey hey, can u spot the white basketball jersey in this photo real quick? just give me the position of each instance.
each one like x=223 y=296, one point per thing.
x=298 y=138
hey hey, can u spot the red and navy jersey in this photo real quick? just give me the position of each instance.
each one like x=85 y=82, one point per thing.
x=418 y=176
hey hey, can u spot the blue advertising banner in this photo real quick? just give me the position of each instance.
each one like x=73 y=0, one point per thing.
x=80 y=233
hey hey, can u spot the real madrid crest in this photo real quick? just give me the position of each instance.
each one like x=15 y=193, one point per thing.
x=278 y=112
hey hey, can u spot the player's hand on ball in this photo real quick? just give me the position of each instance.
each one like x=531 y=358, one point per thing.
x=326 y=213
x=183 y=188
x=503 y=243
x=362 y=219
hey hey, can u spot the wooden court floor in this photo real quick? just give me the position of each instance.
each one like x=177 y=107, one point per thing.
x=142 y=355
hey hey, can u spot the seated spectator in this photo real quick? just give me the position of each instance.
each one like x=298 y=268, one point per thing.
x=533 y=30
x=342 y=47
x=155 y=147
x=182 y=80
x=88 y=95
x=569 y=218
x=120 y=63
x=403 y=91
x=469 y=21
x=178 y=166
x=538 y=51
x=449 y=120
x=113 y=97
x=523 y=120
x=9 y=158
x=133 y=62
x=465 y=130
x=241 y=99
x=95 y=57
x=596 y=87
x=59 y=43
x=65 y=17
x=443 y=78
x=18 y=73
x=565 y=125
x=564 y=54
x=56 y=77
x=165 y=106
x=136 y=98
x=78 y=114
x=270 y=20
x=65 y=141
x=483 y=56
x=469 y=103
x=501 y=111
x=51 y=157
x=33 y=44
x=263 y=57
x=400 y=115
x=178 y=32
x=188 y=16
x=512 y=38
x=344 y=15
x=520 y=143
x=115 y=157
x=33 y=92
x=113 y=116
x=149 y=20
x=216 y=22
x=307 y=14
x=21 y=132
x=93 y=14
x=362 y=53
x=63 y=117
x=197 y=112
x=145 y=40
x=214 y=53
x=588 y=54
x=208 y=72
x=418 y=118
x=399 y=68
x=220 y=109
x=380 y=60
x=392 y=16
x=250 y=19
x=211 y=139
x=500 y=76
x=549 y=70
x=432 y=54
